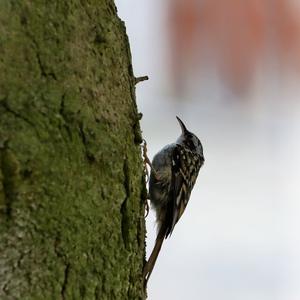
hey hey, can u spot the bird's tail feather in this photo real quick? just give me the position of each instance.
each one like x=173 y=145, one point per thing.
x=148 y=268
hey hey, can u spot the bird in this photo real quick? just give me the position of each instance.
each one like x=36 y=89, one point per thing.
x=174 y=170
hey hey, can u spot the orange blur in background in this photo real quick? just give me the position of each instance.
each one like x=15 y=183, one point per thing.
x=235 y=36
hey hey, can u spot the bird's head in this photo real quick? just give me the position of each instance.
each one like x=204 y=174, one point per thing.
x=189 y=140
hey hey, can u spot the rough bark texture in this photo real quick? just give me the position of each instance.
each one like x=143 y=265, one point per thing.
x=71 y=178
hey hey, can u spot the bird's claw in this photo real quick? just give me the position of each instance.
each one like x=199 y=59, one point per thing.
x=146 y=161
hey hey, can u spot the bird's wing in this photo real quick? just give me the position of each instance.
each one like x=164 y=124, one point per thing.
x=184 y=173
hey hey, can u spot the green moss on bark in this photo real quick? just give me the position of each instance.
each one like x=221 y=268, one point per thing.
x=71 y=178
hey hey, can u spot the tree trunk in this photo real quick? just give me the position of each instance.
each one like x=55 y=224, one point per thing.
x=71 y=176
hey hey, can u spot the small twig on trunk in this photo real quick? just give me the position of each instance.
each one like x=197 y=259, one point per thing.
x=139 y=79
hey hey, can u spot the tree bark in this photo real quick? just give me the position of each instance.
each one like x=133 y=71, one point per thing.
x=71 y=175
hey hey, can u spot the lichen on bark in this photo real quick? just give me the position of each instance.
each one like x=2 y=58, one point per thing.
x=71 y=178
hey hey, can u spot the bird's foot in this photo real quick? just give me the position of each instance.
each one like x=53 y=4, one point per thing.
x=146 y=161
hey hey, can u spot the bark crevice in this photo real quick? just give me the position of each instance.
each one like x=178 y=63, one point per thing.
x=124 y=213
x=16 y=114
x=10 y=171
x=65 y=282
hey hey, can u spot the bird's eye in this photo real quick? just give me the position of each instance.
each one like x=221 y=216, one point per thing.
x=191 y=144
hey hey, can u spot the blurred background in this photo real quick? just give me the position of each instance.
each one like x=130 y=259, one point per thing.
x=230 y=70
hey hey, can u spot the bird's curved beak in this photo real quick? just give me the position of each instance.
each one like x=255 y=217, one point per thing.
x=183 y=128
